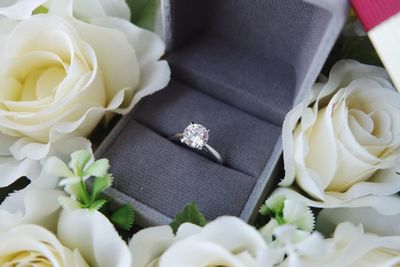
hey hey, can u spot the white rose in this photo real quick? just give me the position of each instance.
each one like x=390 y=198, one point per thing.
x=60 y=76
x=343 y=148
x=23 y=9
x=372 y=221
x=350 y=246
x=227 y=241
x=32 y=244
x=83 y=238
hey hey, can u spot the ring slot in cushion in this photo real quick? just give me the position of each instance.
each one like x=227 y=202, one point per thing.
x=166 y=176
x=244 y=141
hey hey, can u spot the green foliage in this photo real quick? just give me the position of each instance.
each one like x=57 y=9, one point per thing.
x=144 y=12
x=190 y=214
x=40 y=10
x=97 y=204
x=81 y=169
x=123 y=217
x=100 y=184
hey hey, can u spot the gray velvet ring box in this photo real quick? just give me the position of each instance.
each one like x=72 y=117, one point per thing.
x=238 y=66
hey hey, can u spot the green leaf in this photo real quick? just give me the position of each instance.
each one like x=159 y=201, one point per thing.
x=273 y=205
x=144 y=12
x=100 y=184
x=123 y=217
x=191 y=214
x=81 y=194
x=40 y=10
x=98 y=204
x=276 y=203
x=264 y=210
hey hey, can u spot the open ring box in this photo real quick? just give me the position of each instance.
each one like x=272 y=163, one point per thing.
x=238 y=67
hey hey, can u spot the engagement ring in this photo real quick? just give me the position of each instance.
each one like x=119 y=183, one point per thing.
x=196 y=136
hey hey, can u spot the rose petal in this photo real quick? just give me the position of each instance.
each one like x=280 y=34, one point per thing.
x=321 y=156
x=31 y=205
x=11 y=170
x=155 y=76
x=350 y=170
x=386 y=205
x=60 y=7
x=306 y=178
x=200 y=253
x=148 y=46
x=87 y=9
x=373 y=221
x=95 y=237
x=5 y=144
x=149 y=244
x=346 y=71
x=288 y=127
x=120 y=68
x=21 y=9
x=384 y=182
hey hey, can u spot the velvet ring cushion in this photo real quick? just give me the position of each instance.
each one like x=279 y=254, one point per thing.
x=166 y=176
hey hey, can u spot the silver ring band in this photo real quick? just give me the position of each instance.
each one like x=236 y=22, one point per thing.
x=196 y=136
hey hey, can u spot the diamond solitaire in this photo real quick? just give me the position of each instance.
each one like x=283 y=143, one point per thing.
x=195 y=136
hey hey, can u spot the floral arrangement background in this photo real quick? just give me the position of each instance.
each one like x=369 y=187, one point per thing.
x=70 y=66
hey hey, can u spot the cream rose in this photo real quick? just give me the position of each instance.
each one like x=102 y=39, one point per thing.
x=83 y=238
x=23 y=9
x=350 y=246
x=34 y=245
x=227 y=241
x=60 y=76
x=343 y=148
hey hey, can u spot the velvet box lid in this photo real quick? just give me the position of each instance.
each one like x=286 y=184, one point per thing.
x=238 y=67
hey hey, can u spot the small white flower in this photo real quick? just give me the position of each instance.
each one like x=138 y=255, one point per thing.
x=343 y=149
x=287 y=211
x=294 y=244
x=38 y=202
x=289 y=232
x=284 y=211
